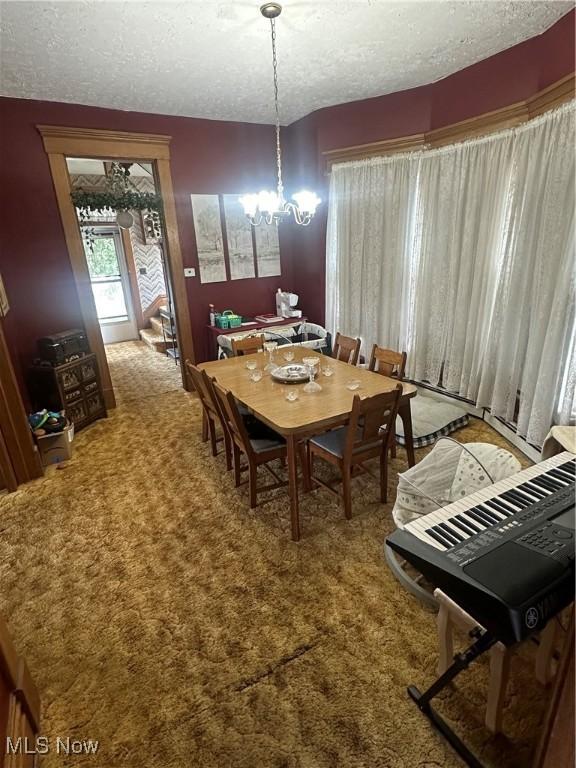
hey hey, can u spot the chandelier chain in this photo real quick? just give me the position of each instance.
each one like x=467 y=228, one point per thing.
x=267 y=206
x=277 y=109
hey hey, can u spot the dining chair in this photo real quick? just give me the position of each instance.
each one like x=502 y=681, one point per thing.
x=211 y=413
x=253 y=439
x=387 y=362
x=346 y=349
x=247 y=345
x=366 y=436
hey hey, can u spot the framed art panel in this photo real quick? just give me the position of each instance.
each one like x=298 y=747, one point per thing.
x=267 y=250
x=209 y=238
x=239 y=236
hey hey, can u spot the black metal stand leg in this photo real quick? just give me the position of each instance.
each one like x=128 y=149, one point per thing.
x=461 y=662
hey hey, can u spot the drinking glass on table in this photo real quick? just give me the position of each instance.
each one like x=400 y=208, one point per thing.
x=270 y=346
x=312 y=385
x=288 y=355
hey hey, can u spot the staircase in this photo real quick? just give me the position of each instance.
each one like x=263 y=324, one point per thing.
x=153 y=335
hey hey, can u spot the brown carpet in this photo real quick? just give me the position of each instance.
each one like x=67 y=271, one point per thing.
x=139 y=371
x=164 y=618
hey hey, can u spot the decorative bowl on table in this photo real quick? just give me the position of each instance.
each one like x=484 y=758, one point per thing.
x=293 y=373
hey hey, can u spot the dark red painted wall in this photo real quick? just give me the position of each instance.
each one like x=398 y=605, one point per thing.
x=219 y=157
x=501 y=80
x=207 y=157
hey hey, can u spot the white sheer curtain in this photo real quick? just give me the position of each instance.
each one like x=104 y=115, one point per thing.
x=369 y=244
x=533 y=321
x=462 y=215
x=464 y=257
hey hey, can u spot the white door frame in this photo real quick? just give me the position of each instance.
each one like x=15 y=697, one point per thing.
x=122 y=330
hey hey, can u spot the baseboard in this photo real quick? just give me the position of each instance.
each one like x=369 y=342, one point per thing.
x=518 y=442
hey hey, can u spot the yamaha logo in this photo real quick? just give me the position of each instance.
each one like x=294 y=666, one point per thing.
x=531 y=618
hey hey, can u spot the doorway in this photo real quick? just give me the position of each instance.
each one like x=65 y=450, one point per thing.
x=62 y=143
x=111 y=285
x=130 y=284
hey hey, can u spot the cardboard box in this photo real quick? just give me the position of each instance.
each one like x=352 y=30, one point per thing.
x=57 y=447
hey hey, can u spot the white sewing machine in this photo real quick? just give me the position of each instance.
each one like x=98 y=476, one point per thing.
x=285 y=304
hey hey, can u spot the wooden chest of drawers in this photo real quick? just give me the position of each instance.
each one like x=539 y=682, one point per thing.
x=74 y=387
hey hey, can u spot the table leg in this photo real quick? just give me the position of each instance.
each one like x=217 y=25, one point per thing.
x=406 y=415
x=292 y=450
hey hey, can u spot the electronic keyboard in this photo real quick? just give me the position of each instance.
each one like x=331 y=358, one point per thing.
x=505 y=553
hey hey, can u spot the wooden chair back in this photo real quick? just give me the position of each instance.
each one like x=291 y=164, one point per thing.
x=388 y=362
x=247 y=345
x=346 y=349
x=372 y=422
x=201 y=383
x=232 y=418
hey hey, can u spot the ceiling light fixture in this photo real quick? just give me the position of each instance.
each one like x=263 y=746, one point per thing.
x=267 y=206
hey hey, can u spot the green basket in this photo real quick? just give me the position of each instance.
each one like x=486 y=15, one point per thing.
x=231 y=318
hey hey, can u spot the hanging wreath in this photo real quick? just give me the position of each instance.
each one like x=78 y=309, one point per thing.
x=120 y=196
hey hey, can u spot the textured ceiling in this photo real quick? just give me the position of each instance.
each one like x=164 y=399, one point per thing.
x=212 y=59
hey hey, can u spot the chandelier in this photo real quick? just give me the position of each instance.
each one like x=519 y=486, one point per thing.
x=268 y=206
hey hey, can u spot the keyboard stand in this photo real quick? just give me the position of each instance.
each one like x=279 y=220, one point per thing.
x=462 y=661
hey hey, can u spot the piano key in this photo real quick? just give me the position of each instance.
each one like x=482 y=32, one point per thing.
x=492 y=517
x=468 y=523
x=439 y=539
x=564 y=476
x=557 y=474
x=462 y=526
x=455 y=534
x=441 y=536
x=479 y=519
x=537 y=485
x=433 y=518
x=516 y=498
x=506 y=505
x=474 y=518
x=525 y=496
x=419 y=528
x=547 y=482
x=444 y=530
x=513 y=503
x=497 y=505
x=494 y=513
x=537 y=492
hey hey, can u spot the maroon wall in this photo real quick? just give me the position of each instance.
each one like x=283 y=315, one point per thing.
x=206 y=157
x=510 y=76
x=218 y=157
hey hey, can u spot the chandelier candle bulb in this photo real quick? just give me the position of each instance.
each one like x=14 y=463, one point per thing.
x=307 y=201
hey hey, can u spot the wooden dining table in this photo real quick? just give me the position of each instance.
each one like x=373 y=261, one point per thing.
x=311 y=414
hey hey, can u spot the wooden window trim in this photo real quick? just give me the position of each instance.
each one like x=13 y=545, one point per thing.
x=62 y=142
x=499 y=119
